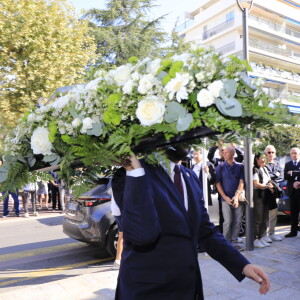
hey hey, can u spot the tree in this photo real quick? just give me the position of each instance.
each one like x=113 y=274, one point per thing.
x=43 y=46
x=124 y=29
x=283 y=137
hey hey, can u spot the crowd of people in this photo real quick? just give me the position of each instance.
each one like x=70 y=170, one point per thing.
x=36 y=196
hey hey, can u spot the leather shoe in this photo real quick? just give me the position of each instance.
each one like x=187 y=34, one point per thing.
x=291 y=234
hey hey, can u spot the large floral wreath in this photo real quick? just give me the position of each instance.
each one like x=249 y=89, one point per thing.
x=101 y=121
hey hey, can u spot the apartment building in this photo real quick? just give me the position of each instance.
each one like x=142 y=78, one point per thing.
x=274 y=40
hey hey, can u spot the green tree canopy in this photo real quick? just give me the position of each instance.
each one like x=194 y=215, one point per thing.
x=43 y=46
x=125 y=29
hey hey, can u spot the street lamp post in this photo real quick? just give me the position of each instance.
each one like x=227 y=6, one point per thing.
x=245 y=7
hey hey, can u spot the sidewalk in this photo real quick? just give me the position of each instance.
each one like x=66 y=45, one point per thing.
x=281 y=261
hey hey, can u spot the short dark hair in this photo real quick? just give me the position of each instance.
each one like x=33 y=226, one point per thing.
x=256 y=157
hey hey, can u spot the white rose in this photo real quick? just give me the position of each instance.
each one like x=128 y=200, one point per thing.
x=153 y=66
x=87 y=123
x=205 y=98
x=215 y=88
x=40 y=143
x=121 y=74
x=76 y=122
x=150 y=111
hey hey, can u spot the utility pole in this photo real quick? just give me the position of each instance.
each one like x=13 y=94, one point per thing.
x=246 y=7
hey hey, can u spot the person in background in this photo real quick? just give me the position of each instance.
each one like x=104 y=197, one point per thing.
x=208 y=169
x=292 y=175
x=230 y=184
x=261 y=198
x=42 y=192
x=239 y=157
x=276 y=174
x=30 y=191
x=54 y=191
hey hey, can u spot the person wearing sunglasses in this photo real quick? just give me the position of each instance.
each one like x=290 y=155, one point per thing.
x=276 y=174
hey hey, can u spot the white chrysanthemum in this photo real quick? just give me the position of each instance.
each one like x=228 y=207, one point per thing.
x=87 y=123
x=120 y=75
x=153 y=66
x=146 y=83
x=205 y=98
x=177 y=86
x=150 y=111
x=76 y=122
x=215 y=88
x=40 y=143
x=128 y=87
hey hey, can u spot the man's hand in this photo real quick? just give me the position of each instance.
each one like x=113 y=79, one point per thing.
x=258 y=275
x=228 y=200
x=235 y=201
x=132 y=163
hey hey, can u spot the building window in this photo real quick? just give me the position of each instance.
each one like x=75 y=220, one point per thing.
x=230 y=16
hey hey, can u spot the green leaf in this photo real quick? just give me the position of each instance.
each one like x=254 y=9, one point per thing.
x=56 y=162
x=31 y=161
x=173 y=111
x=229 y=89
x=184 y=123
x=97 y=130
x=49 y=158
x=52 y=131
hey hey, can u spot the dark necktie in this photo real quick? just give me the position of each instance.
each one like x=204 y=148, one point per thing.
x=295 y=163
x=177 y=181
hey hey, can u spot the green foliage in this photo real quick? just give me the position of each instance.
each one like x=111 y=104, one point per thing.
x=43 y=46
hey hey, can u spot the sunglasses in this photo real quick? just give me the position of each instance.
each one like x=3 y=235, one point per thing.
x=270 y=152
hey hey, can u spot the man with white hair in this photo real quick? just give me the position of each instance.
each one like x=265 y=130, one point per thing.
x=292 y=175
x=276 y=174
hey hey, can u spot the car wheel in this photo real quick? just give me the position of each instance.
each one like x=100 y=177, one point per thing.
x=112 y=241
x=243 y=225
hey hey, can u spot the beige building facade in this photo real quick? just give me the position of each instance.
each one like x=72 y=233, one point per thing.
x=274 y=40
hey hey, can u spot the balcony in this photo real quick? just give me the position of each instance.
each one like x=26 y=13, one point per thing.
x=268 y=25
x=217 y=29
x=227 y=48
x=266 y=71
x=288 y=96
x=187 y=24
x=271 y=48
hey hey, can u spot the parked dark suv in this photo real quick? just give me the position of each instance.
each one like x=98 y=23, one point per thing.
x=89 y=219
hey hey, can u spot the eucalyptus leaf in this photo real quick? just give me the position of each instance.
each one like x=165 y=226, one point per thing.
x=50 y=158
x=73 y=112
x=173 y=111
x=55 y=162
x=97 y=130
x=230 y=87
x=184 y=123
x=161 y=75
x=9 y=158
x=6 y=165
x=21 y=158
x=3 y=174
x=31 y=161
x=230 y=107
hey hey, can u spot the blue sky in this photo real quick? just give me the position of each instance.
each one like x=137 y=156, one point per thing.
x=174 y=8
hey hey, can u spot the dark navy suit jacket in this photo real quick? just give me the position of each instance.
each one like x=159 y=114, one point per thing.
x=159 y=259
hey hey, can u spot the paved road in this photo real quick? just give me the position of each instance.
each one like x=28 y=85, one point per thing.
x=36 y=251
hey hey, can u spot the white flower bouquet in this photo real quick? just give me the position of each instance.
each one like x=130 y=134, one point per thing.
x=103 y=120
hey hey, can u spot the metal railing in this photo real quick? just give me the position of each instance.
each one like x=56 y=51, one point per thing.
x=226 y=48
x=274 y=26
x=217 y=29
x=187 y=24
x=255 y=43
